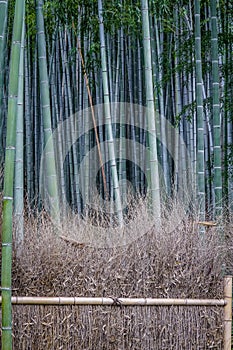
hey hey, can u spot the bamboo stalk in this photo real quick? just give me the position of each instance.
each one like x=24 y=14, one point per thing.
x=108 y=117
x=199 y=113
x=115 y=301
x=3 y=32
x=150 y=114
x=49 y=162
x=227 y=312
x=92 y=112
x=19 y=152
x=10 y=148
x=216 y=111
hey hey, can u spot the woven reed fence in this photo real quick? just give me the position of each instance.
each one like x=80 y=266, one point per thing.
x=123 y=323
x=172 y=263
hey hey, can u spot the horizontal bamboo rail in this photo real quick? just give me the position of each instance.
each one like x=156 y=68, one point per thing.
x=226 y=303
x=114 y=301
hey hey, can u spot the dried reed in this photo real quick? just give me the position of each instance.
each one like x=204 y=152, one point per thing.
x=162 y=263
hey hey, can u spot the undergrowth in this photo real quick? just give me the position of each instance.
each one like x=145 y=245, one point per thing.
x=171 y=261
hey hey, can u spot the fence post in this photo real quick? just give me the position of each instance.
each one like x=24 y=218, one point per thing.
x=227 y=312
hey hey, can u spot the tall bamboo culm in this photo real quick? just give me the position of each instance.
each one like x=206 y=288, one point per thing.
x=108 y=120
x=19 y=156
x=9 y=177
x=50 y=177
x=3 y=24
x=216 y=112
x=150 y=114
x=199 y=113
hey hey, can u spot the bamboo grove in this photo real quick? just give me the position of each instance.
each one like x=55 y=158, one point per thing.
x=162 y=73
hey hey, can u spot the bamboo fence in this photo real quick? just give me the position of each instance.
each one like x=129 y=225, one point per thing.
x=226 y=303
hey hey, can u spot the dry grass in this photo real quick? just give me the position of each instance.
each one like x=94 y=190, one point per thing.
x=116 y=328
x=170 y=262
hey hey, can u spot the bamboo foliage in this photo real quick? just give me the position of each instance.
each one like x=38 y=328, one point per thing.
x=9 y=177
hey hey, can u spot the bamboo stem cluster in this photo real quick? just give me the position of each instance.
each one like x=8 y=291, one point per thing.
x=174 y=59
x=161 y=66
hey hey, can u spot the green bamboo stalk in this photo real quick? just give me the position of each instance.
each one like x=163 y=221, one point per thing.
x=141 y=121
x=28 y=126
x=153 y=158
x=164 y=155
x=60 y=147
x=199 y=114
x=178 y=104
x=109 y=49
x=19 y=156
x=3 y=24
x=38 y=141
x=216 y=112
x=117 y=70
x=67 y=104
x=50 y=165
x=133 y=155
x=122 y=131
x=7 y=224
x=86 y=122
x=225 y=91
x=108 y=121
x=71 y=111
